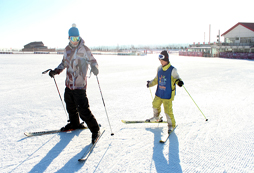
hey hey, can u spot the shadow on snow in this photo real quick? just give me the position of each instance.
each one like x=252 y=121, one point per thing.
x=162 y=163
x=54 y=153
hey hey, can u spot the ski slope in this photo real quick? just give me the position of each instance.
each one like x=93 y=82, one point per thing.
x=222 y=88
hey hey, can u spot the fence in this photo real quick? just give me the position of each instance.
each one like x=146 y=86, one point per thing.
x=237 y=55
x=200 y=54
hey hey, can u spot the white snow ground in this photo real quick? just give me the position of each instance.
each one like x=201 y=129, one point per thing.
x=222 y=88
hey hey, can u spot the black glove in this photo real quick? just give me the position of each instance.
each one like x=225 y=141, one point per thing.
x=52 y=73
x=147 y=85
x=95 y=70
x=180 y=83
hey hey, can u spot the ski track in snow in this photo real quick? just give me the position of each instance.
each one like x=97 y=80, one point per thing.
x=222 y=88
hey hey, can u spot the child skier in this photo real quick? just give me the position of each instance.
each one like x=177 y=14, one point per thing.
x=165 y=80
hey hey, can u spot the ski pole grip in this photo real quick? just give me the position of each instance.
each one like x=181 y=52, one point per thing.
x=46 y=71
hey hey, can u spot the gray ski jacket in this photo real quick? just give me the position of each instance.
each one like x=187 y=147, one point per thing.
x=76 y=61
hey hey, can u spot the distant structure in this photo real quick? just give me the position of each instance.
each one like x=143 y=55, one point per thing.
x=36 y=47
x=238 y=44
x=241 y=34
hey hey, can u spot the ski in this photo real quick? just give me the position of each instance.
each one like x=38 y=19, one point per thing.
x=30 y=134
x=166 y=137
x=130 y=122
x=90 y=149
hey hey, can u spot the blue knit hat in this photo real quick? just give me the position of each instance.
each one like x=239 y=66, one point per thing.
x=73 y=31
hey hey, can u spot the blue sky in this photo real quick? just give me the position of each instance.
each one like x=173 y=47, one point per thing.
x=112 y=22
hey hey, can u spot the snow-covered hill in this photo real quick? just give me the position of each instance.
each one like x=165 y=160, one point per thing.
x=222 y=88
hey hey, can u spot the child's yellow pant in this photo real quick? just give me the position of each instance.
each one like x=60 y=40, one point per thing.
x=168 y=109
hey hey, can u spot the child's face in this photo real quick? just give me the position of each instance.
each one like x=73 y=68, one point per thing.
x=163 y=63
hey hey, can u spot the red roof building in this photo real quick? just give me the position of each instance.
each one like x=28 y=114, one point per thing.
x=238 y=43
x=241 y=33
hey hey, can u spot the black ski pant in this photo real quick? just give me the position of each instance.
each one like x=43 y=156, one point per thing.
x=77 y=105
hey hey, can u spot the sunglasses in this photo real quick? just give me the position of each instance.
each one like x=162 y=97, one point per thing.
x=161 y=56
x=74 y=39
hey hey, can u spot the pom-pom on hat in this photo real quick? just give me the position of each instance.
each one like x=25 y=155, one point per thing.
x=73 y=31
x=165 y=56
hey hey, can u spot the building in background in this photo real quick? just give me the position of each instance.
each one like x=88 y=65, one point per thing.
x=238 y=43
x=37 y=47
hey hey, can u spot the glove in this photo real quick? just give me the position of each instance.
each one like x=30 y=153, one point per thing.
x=95 y=70
x=180 y=83
x=147 y=85
x=52 y=73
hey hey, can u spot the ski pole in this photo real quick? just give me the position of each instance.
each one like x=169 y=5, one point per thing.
x=58 y=93
x=151 y=92
x=61 y=99
x=104 y=106
x=195 y=103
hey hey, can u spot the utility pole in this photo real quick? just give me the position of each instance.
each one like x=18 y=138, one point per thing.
x=210 y=33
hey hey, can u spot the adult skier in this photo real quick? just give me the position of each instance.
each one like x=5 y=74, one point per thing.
x=77 y=56
x=165 y=80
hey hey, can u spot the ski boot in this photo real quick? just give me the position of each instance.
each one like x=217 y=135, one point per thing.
x=154 y=119
x=81 y=126
x=170 y=129
x=70 y=126
x=95 y=136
